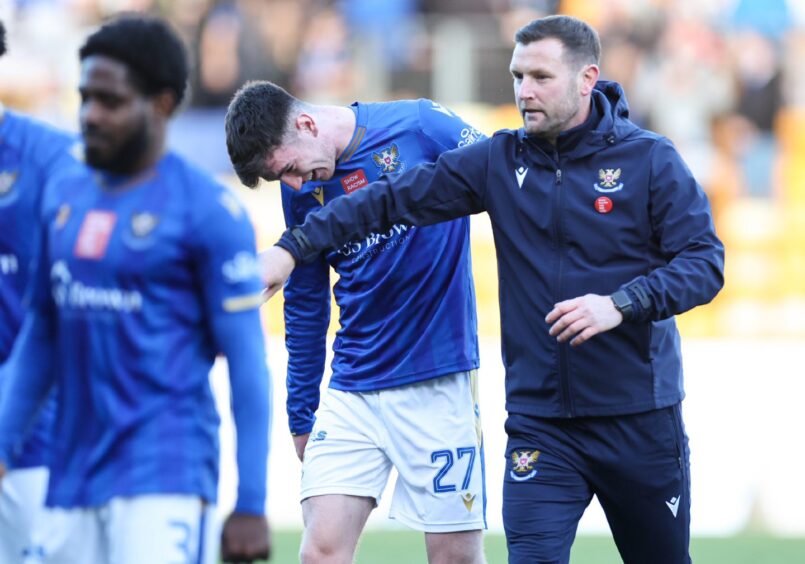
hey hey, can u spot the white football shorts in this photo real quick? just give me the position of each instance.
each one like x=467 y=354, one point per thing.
x=429 y=431
x=22 y=499
x=157 y=529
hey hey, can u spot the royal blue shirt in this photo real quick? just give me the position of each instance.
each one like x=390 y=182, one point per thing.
x=405 y=294
x=140 y=283
x=30 y=153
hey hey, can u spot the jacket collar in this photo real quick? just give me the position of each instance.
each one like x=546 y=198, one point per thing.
x=607 y=124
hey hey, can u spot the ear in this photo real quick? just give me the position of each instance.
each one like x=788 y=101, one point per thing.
x=164 y=103
x=589 y=76
x=306 y=123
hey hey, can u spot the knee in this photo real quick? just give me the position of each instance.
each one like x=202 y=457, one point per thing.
x=319 y=552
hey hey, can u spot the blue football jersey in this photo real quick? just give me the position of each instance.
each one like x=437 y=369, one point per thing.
x=30 y=153
x=406 y=296
x=143 y=281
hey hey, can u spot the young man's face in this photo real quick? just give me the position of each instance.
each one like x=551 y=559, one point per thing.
x=115 y=117
x=547 y=87
x=307 y=154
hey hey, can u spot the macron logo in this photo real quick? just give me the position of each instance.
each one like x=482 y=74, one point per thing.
x=673 y=505
x=520 y=172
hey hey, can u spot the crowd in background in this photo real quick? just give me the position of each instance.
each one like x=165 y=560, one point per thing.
x=722 y=78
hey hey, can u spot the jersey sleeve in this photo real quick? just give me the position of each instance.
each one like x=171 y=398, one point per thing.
x=231 y=287
x=28 y=374
x=443 y=130
x=307 y=316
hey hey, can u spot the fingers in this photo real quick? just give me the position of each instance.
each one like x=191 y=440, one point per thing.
x=561 y=309
x=583 y=336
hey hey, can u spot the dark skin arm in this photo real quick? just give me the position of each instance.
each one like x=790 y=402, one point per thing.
x=245 y=538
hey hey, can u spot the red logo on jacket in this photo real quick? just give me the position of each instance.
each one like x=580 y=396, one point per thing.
x=603 y=205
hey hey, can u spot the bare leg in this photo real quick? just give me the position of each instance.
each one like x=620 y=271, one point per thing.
x=462 y=547
x=333 y=524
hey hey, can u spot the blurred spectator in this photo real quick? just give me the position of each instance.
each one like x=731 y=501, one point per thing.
x=759 y=90
x=229 y=51
x=325 y=70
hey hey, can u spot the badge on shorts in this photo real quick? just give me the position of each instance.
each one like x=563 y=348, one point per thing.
x=523 y=465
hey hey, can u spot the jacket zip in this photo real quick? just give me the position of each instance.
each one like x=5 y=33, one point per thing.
x=563 y=371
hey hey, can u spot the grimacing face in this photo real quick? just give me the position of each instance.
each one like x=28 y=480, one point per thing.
x=306 y=155
x=547 y=88
x=114 y=116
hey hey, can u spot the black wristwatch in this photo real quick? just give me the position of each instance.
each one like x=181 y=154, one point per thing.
x=623 y=303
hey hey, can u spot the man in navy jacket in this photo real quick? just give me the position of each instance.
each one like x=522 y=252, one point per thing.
x=602 y=236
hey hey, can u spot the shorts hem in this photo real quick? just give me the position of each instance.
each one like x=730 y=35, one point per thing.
x=336 y=490
x=440 y=527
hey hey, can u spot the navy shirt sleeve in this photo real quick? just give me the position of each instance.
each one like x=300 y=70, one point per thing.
x=683 y=225
x=453 y=186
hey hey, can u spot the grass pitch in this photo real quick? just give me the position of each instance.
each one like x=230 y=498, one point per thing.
x=405 y=547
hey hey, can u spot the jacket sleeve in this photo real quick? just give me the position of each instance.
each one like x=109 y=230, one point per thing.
x=231 y=287
x=453 y=186
x=307 y=316
x=691 y=269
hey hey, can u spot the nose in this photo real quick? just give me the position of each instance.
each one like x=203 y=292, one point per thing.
x=525 y=91
x=90 y=113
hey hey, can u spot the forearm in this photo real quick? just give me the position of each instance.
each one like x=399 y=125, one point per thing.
x=25 y=379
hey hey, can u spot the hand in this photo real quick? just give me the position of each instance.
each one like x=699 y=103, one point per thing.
x=581 y=318
x=245 y=538
x=299 y=443
x=276 y=265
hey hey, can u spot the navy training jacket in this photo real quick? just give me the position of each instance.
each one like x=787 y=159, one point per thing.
x=610 y=207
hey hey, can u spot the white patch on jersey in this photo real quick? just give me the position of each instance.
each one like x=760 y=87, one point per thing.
x=240 y=268
x=520 y=172
x=442 y=110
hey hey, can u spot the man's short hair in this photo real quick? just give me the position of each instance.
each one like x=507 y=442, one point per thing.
x=149 y=47
x=2 y=39
x=256 y=123
x=580 y=40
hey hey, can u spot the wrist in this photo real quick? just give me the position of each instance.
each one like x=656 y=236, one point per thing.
x=623 y=303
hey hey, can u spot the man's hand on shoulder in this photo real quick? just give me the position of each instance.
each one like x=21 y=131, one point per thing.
x=579 y=319
x=276 y=265
x=245 y=538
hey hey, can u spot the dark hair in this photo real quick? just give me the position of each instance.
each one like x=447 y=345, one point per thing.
x=155 y=55
x=256 y=123
x=579 y=39
x=2 y=39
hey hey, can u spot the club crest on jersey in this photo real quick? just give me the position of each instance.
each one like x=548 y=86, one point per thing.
x=143 y=223
x=7 y=180
x=388 y=160
x=523 y=465
x=608 y=179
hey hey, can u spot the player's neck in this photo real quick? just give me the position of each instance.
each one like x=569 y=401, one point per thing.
x=343 y=123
